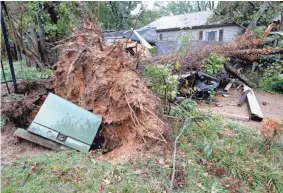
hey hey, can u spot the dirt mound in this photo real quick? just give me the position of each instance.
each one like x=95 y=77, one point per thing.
x=21 y=108
x=103 y=79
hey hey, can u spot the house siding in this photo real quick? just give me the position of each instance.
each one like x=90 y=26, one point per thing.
x=168 y=44
x=230 y=33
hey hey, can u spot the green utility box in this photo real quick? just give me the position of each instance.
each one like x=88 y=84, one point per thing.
x=64 y=122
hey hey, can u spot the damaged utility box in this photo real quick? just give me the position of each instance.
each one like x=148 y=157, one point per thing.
x=65 y=123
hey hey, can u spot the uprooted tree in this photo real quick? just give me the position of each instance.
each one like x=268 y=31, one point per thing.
x=103 y=79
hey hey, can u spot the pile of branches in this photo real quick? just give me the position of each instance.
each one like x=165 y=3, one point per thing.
x=244 y=48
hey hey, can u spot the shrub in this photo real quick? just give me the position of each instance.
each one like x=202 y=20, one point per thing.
x=272 y=84
x=214 y=63
x=161 y=81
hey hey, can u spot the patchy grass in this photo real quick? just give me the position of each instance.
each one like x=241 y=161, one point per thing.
x=25 y=72
x=73 y=172
x=215 y=155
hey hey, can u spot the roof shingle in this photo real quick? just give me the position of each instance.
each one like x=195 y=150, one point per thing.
x=180 y=21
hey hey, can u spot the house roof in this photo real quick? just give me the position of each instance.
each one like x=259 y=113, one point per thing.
x=148 y=34
x=190 y=20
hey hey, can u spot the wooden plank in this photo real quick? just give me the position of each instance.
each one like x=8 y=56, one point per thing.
x=228 y=86
x=235 y=117
x=230 y=116
x=130 y=45
x=24 y=134
x=253 y=105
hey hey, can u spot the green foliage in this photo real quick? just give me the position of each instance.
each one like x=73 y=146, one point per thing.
x=212 y=92
x=272 y=81
x=66 y=13
x=183 y=39
x=242 y=12
x=272 y=84
x=257 y=32
x=214 y=63
x=183 y=7
x=161 y=81
x=113 y=15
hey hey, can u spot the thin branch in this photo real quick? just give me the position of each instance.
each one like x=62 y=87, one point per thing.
x=175 y=150
x=134 y=26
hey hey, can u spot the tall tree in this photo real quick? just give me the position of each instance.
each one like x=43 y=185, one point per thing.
x=242 y=12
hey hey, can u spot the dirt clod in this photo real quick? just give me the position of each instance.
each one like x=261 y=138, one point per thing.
x=215 y=170
x=180 y=179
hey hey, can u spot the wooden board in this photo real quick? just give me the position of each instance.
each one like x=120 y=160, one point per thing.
x=130 y=44
x=253 y=105
x=229 y=85
x=24 y=134
x=230 y=116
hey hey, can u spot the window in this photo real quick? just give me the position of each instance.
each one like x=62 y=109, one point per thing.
x=160 y=37
x=210 y=36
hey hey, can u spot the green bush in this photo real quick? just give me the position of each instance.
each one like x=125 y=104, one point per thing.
x=272 y=84
x=161 y=81
x=214 y=63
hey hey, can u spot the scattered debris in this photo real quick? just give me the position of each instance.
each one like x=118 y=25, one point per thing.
x=255 y=110
x=24 y=134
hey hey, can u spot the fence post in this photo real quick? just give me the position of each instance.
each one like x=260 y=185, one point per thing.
x=4 y=30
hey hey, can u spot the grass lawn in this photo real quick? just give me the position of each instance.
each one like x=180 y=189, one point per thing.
x=217 y=156
x=24 y=72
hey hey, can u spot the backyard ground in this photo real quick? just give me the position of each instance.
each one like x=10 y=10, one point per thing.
x=270 y=104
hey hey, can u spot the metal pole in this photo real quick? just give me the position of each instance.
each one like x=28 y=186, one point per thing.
x=5 y=77
x=4 y=30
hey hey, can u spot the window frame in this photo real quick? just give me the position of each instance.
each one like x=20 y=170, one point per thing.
x=216 y=36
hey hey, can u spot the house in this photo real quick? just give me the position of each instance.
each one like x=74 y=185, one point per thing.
x=196 y=25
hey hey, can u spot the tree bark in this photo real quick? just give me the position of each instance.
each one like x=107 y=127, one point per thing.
x=256 y=17
x=199 y=9
x=265 y=51
x=241 y=77
x=42 y=45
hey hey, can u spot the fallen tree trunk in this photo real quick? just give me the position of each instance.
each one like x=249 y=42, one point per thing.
x=256 y=52
x=241 y=77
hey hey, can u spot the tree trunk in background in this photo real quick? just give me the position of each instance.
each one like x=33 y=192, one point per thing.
x=199 y=9
x=256 y=17
x=42 y=45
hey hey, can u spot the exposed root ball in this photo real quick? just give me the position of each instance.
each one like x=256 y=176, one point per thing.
x=105 y=82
